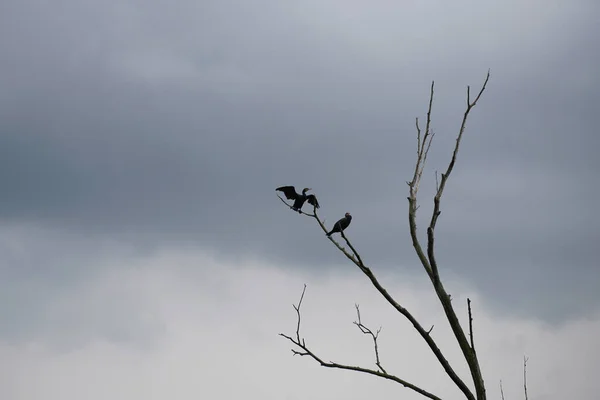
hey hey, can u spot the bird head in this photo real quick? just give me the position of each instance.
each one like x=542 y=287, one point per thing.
x=305 y=190
x=348 y=215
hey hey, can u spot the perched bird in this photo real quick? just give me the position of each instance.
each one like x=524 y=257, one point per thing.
x=299 y=199
x=341 y=224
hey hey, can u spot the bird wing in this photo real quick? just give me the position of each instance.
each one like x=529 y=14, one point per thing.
x=289 y=191
x=345 y=222
x=312 y=199
x=339 y=223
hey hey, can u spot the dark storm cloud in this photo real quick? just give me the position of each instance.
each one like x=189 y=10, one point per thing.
x=154 y=123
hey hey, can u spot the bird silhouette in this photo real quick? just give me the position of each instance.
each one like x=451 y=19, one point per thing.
x=341 y=224
x=299 y=199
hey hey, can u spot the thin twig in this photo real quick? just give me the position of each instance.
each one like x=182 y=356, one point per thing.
x=305 y=351
x=467 y=350
x=525 y=359
x=429 y=261
x=354 y=256
x=461 y=131
x=374 y=336
x=414 y=185
x=291 y=207
x=501 y=390
x=357 y=260
x=418 y=137
x=423 y=145
x=432 y=134
x=298 y=313
x=470 y=323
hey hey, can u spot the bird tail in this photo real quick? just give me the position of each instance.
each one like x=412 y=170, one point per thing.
x=329 y=233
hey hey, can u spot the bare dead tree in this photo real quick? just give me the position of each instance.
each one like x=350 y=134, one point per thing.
x=428 y=261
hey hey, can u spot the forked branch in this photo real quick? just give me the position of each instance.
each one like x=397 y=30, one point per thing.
x=428 y=258
x=292 y=208
x=374 y=336
x=428 y=261
x=304 y=350
x=354 y=256
x=446 y=175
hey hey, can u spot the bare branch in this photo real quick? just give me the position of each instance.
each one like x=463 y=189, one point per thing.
x=355 y=257
x=418 y=137
x=501 y=390
x=468 y=95
x=298 y=313
x=446 y=175
x=299 y=353
x=423 y=145
x=412 y=214
x=360 y=263
x=305 y=351
x=467 y=350
x=440 y=189
x=424 y=334
x=431 y=135
x=374 y=336
x=470 y=324
x=429 y=108
x=429 y=262
x=322 y=225
x=300 y=212
x=525 y=359
x=435 y=276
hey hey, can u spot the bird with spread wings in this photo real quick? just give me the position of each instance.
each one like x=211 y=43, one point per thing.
x=299 y=199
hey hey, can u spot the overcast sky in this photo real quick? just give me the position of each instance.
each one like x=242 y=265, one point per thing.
x=141 y=143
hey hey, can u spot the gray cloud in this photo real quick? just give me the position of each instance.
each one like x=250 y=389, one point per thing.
x=150 y=125
x=223 y=322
